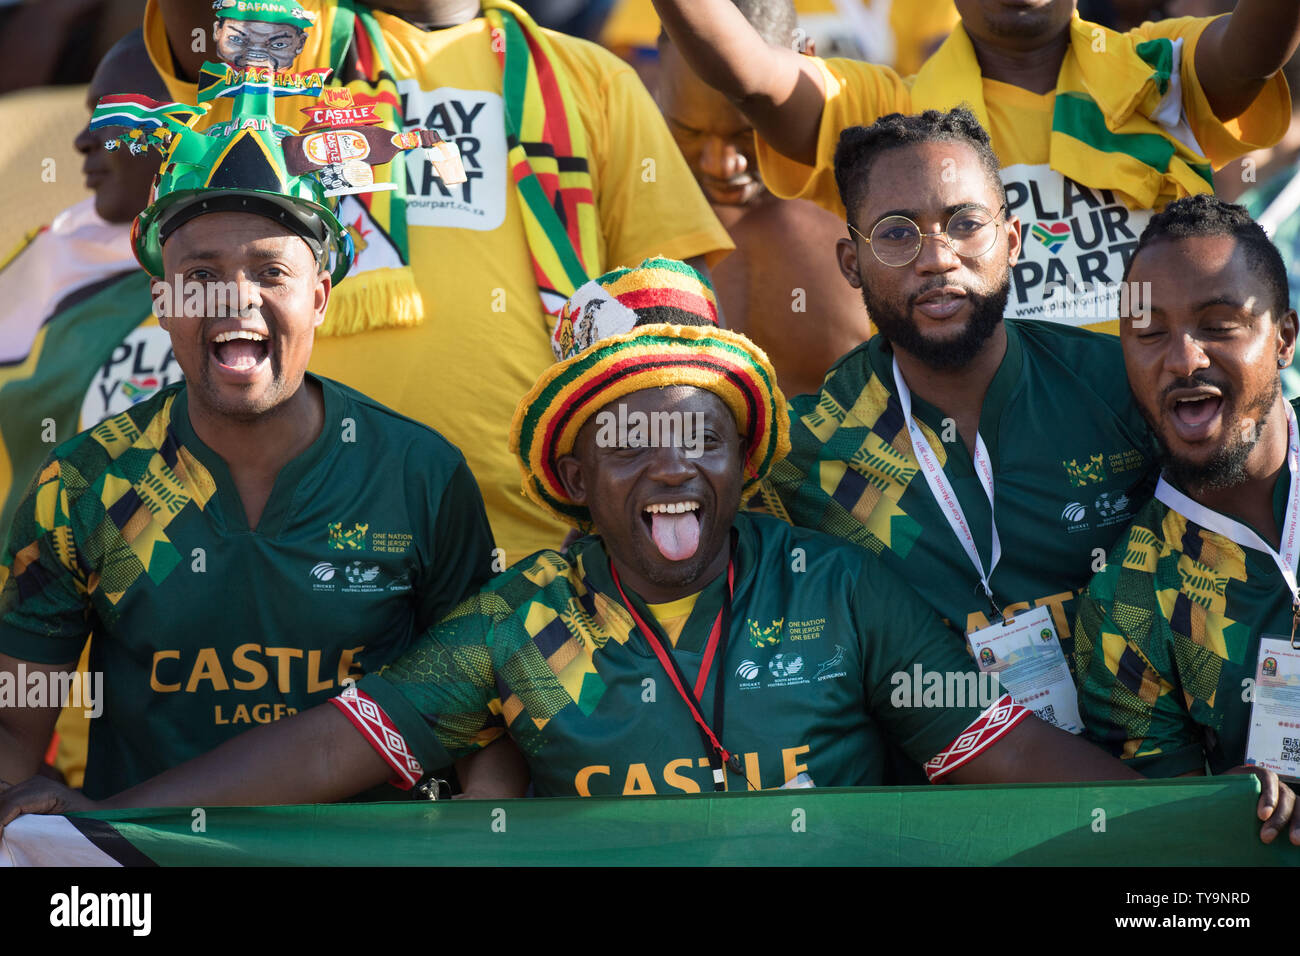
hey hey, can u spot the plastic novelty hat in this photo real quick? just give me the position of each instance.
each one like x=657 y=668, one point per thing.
x=252 y=163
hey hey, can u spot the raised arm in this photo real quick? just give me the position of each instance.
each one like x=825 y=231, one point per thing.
x=1237 y=54
x=780 y=91
x=182 y=18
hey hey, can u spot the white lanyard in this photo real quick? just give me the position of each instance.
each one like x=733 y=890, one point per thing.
x=942 y=489
x=1238 y=532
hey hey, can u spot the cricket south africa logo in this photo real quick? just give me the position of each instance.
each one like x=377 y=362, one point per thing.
x=747 y=670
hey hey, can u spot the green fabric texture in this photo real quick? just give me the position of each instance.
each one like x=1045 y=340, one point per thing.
x=1072 y=463
x=204 y=627
x=822 y=637
x=1200 y=822
x=1167 y=637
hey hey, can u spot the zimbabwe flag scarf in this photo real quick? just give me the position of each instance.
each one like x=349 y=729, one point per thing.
x=1116 y=122
x=547 y=156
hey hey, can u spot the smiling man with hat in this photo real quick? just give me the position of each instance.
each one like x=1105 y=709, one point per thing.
x=684 y=647
x=243 y=543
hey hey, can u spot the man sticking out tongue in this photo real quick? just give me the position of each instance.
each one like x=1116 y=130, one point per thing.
x=678 y=535
x=650 y=657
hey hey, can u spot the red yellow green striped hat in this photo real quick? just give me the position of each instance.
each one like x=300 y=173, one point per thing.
x=632 y=329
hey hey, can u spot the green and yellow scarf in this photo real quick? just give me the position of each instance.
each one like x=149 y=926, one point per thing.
x=547 y=156
x=1105 y=132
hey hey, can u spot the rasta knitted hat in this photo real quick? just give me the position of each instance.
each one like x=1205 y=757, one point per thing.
x=633 y=329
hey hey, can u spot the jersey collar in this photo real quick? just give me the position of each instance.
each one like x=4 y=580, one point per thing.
x=595 y=563
x=881 y=356
x=277 y=510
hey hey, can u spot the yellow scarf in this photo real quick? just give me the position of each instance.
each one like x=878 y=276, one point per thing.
x=1103 y=133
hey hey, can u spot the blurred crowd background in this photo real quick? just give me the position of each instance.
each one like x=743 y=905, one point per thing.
x=50 y=48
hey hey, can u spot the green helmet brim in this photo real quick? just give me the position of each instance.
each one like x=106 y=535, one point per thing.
x=313 y=223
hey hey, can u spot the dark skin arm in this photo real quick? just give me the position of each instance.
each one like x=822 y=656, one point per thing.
x=25 y=731
x=780 y=91
x=498 y=770
x=1237 y=54
x=330 y=761
x=1036 y=752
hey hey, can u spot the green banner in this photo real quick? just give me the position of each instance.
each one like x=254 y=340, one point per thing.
x=1183 y=822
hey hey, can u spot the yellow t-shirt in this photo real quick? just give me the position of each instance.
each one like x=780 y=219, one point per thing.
x=919 y=26
x=672 y=617
x=485 y=338
x=1069 y=231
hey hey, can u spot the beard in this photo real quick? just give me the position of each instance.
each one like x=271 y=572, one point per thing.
x=944 y=354
x=1226 y=467
x=1022 y=24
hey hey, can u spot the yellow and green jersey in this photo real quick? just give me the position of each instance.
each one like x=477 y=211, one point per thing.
x=822 y=640
x=1167 y=639
x=205 y=627
x=1071 y=459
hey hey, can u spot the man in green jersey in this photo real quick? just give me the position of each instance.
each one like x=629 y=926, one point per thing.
x=244 y=543
x=1186 y=642
x=687 y=647
x=1044 y=406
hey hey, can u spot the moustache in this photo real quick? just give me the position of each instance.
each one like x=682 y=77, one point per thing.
x=1195 y=381
x=942 y=284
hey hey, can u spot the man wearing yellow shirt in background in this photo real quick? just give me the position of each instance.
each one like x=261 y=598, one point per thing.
x=470 y=257
x=1094 y=129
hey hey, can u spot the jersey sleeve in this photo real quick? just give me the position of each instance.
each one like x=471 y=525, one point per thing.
x=647 y=198
x=1263 y=123
x=1126 y=677
x=907 y=650
x=441 y=695
x=459 y=560
x=44 y=604
x=857 y=94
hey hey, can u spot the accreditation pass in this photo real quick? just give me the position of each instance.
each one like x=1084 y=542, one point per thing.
x=1274 y=739
x=1026 y=655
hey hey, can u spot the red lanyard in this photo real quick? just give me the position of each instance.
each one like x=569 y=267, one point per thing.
x=719 y=756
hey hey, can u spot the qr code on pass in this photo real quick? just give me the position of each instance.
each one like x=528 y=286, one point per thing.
x=1047 y=713
x=1291 y=748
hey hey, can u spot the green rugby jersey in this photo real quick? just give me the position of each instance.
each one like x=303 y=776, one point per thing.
x=204 y=627
x=548 y=653
x=1167 y=639
x=1071 y=459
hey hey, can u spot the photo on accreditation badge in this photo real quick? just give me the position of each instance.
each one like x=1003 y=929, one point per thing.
x=650 y=434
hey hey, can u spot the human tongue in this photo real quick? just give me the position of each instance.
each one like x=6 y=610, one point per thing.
x=677 y=536
x=240 y=353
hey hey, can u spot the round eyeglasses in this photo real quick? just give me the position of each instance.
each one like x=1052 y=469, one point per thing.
x=896 y=240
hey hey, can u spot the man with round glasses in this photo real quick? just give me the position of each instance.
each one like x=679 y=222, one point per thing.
x=991 y=462
x=896 y=240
